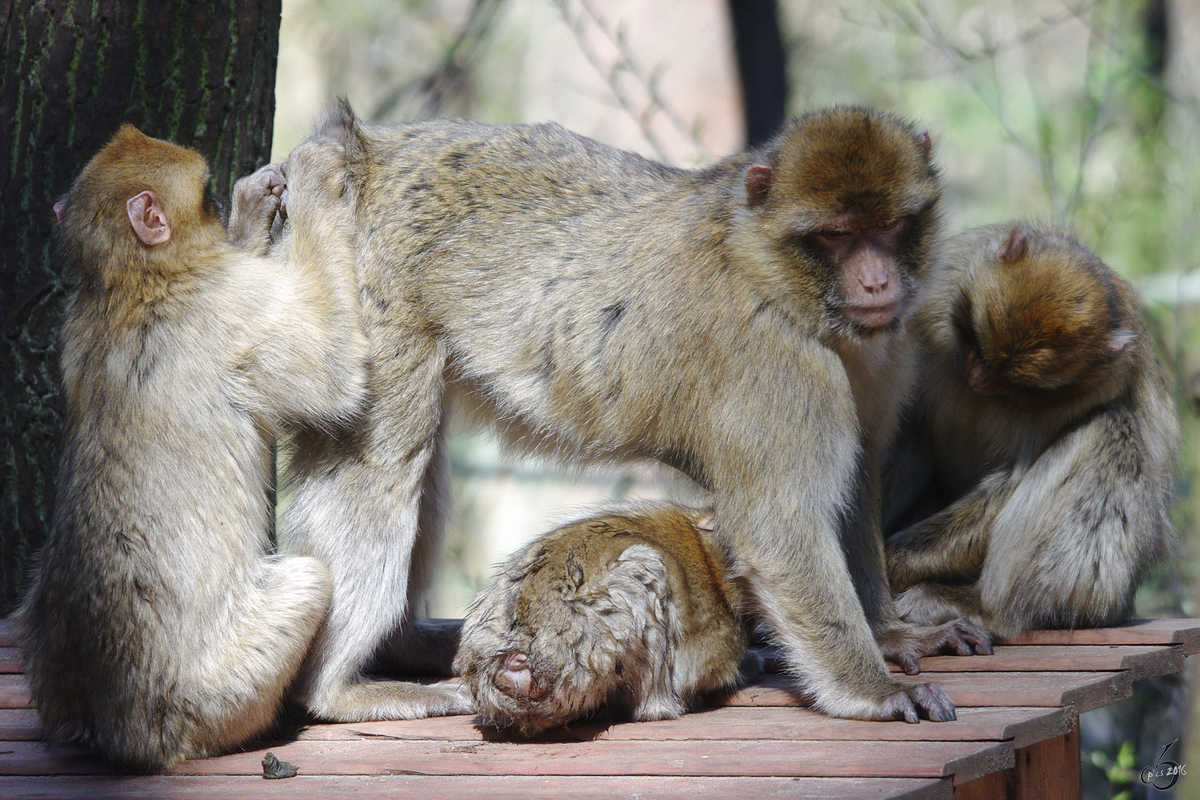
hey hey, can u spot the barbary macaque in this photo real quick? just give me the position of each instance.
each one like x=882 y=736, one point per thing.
x=634 y=608
x=155 y=627
x=736 y=322
x=1045 y=431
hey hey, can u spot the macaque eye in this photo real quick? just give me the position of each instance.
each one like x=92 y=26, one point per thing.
x=829 y=238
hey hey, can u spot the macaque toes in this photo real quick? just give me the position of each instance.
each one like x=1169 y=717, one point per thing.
x=633 y=608
x=735 y=322
x=155 y=627
x=1043 y=438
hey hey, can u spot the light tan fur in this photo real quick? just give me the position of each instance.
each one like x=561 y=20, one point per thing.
x=1045 y=428
x=156 y=628
x=603 y=306
x=634 y=608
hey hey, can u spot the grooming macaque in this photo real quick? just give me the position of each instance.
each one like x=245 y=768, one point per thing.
x=633 y=608
x=155 y=627
x=736 y=322
x=1045 y=427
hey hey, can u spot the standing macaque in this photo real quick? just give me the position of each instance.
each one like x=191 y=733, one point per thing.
x=735 y=322
x=155 y=627
x=1045 y=428
x=634 y=608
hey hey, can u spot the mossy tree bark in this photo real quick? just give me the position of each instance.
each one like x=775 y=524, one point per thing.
x=198 y=73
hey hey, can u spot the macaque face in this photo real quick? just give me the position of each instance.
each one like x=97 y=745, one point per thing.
x=871 y=292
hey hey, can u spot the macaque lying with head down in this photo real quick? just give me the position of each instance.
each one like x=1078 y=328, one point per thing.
x=633 y=608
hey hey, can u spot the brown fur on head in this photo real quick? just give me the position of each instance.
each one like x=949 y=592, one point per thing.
x=95 y=215
x=1043 y=315
x=852 y=191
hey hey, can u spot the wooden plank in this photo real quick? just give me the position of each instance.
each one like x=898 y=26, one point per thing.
x=1142 y=661
x=14 y=691
x=1047 y=769
x=989 y=787
x=506 y=787
x=712 y=759
x=19 y=725
x=11 y=661
x=1083 y=690
x=1022 y=725
x=1185 y=632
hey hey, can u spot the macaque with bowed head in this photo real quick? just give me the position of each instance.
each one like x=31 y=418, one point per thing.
x=1045 y=427
x=633 y=608
x=156 y=628
x=743 y=323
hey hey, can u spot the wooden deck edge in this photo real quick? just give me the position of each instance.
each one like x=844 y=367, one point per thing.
x=987 y=759
x=1184 y=632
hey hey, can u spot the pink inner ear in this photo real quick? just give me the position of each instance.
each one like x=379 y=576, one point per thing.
x=758 y=184
x=924 y=142
x=148 y=219
x=1120 y=340
x=58 y=210
x=1014 y=247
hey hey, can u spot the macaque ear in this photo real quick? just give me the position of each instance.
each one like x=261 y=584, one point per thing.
x=707 y=523
x=148 y=218
x=924 y=142
x=59 y=207
x=758 y=184
x=1014 y=248
x=1120 y=339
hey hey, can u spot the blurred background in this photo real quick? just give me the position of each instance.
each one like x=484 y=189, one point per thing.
x=1082 y=112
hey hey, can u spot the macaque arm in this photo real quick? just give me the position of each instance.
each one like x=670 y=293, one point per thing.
x=308 y=358
x=785 y=520
x=950 y=545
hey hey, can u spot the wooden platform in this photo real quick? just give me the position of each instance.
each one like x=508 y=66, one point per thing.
x=1016 y=737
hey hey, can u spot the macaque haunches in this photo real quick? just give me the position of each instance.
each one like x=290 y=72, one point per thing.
x=736 y=322
x=1045 y=428
x=633 y=608
x=155 y=627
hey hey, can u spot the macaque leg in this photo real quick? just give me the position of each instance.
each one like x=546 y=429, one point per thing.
x=357 y=505
x=933 y=603
x=952 y=544
x=253 y=661
x=901 y=642
x=422 y=646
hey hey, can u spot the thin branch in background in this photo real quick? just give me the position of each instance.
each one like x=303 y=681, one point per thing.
x=641 y=109
x=1041 y=151
x=450 y=78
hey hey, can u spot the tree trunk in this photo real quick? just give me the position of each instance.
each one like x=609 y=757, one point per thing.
x=201 y=74
x=762 y=66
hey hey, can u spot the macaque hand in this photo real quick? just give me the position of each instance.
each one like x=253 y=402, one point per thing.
x=257 y=198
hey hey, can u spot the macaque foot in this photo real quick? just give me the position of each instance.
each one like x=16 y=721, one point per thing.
x=905 y=644
x=917 y=702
